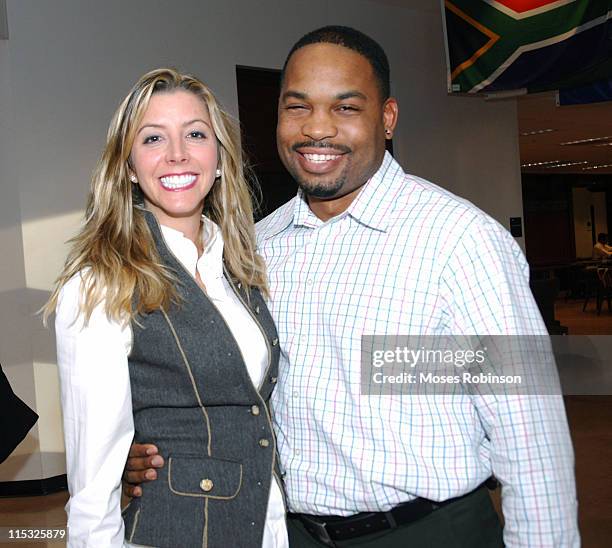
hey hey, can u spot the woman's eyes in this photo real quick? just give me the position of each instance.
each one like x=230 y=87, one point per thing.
x=195 y=134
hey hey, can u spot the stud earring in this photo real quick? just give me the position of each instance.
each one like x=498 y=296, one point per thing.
x=387 y=131
x=133 y=178
x=217 y=173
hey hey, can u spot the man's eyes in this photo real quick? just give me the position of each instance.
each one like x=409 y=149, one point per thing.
x=339 y=108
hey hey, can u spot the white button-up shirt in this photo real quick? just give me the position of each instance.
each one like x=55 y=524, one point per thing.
x=407 y=258
x=96 y=396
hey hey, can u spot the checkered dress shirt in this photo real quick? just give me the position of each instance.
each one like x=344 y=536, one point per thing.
x=407 y=258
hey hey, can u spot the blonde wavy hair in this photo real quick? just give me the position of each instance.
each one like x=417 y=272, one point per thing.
x=114 y=251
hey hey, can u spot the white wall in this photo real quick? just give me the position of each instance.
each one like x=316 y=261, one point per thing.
x=15 y=350
x=71 y=61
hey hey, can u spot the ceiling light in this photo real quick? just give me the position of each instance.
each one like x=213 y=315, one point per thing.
x=566 y=164
x=536 y=164
x=597 y=167
x=588 y=141
x=536 y=132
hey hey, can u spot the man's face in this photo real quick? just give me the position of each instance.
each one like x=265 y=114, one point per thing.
x=332 y=120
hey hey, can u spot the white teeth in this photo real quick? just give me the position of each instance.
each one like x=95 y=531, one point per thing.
x=177 y=181
x=320 y=157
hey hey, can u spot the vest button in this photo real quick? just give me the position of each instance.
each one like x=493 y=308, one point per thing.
x=257 y=309
x=273 y=380
x=254 y=410
x=206 y=485
x=274 y=342
x=263 y=442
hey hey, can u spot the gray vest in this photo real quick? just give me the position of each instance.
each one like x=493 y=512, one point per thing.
x=192 y=397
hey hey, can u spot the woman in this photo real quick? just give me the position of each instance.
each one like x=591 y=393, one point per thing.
x=163 y=336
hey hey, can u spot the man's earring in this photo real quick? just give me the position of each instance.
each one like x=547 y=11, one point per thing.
x=387 y=132
x=134 y=179
x=217 y=173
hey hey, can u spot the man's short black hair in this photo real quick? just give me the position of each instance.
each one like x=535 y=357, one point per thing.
x=352 y=39
x=602 y=237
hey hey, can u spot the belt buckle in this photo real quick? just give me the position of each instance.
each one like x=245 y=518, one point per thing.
x=321 y=533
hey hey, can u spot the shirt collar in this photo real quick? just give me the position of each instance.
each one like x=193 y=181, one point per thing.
x=374 y=203
x=302 y=214
x=370 y=207
x=186 y=251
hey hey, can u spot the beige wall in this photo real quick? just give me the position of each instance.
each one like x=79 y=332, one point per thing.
x=66 y=65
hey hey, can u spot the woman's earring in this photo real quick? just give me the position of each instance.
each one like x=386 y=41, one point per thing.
x=217 y=173
x=134 y=179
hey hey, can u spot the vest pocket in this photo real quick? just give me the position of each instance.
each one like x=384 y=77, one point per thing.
x=204 y=477
x=130 y=515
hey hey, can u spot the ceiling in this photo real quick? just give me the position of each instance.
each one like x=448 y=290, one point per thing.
x=539 y=112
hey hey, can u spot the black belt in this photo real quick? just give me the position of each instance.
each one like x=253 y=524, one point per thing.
x=328 y=529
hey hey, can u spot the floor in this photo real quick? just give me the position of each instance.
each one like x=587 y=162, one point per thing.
x=570 y=314
x=47 y=511
x=590 y=419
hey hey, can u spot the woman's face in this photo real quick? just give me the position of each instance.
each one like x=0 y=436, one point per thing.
x=174 y=157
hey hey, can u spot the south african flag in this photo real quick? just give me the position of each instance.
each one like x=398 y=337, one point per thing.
x=495 y=45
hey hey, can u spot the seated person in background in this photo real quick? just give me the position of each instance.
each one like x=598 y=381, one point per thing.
x=601 y=250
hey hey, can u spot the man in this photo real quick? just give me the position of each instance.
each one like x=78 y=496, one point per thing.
x=601 y=250
x=366 y=249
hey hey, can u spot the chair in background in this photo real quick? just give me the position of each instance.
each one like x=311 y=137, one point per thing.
x=598 y=284
x=605 y=279
x=545 y=291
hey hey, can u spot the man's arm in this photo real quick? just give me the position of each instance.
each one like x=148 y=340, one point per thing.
x=486 y=286
x=140 y=467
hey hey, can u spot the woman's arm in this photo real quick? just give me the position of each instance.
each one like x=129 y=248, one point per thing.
x=98 y=422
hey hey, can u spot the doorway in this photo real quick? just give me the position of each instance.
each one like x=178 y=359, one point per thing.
x=258 y=91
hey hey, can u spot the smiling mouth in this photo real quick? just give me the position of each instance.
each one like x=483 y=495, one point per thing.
x=321 y=158
x=319 y=163
x=178 y=182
